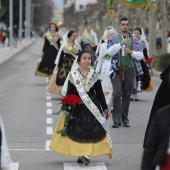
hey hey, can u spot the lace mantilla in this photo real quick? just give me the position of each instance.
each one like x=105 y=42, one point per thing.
x=76 y=48
x=91 y=79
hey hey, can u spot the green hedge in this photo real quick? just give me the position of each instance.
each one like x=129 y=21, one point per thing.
x=162 y=61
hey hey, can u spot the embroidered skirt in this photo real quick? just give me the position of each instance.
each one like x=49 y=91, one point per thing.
x=66 y=146
x=52 y=87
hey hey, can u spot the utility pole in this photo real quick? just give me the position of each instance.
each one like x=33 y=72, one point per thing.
x=11 y=22
x=32 y=13
x=20 y=20
x=27 y=18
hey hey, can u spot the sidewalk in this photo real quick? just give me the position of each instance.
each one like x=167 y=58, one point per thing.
x=6 y=52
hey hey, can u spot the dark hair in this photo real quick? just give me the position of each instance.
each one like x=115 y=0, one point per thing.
x=70 y=33
x=138 y=29
x=124 y=19
x=110 y=27
x=80 y=54
x=56 y=28
x=88 y=25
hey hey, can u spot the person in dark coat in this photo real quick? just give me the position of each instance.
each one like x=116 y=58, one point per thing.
x=162 y=99
x=157 y=146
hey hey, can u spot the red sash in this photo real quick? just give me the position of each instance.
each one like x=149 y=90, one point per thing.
x=167 y=164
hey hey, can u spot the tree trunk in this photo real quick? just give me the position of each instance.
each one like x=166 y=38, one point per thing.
x=163 y=27
x=152 y=32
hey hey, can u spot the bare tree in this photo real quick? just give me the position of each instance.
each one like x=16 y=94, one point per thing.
x=163 y=26
x=152 y=32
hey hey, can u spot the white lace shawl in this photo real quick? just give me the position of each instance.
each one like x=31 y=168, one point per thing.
x=92 y=78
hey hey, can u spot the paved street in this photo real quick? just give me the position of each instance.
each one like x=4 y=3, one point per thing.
x=26 y=111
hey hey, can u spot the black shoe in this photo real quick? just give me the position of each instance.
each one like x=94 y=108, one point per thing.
x=136 y=99
x=85 y=160
x=126 y=125
x=79 y=160
x=116 y=125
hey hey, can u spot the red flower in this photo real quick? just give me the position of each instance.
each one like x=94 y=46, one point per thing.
x=149 y=60
x=95 y=47
x=70 y=99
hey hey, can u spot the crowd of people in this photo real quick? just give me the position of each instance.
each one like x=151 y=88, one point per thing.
x=105 y=76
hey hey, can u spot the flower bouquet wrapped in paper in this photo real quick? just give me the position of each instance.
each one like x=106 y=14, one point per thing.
x=69 y=105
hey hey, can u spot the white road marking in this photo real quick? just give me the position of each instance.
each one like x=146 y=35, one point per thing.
x=48 y=97
x=31 y=150
x=49 y=130
x=47 y=144
x=49 y=104
x=15 y=166
x=91 y=166
x=49 y=120
x=49 y=111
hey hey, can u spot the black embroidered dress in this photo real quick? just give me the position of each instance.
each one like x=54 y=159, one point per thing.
x=86 y=136
x=50 y=52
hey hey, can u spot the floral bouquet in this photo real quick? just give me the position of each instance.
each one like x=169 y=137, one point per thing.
x=69 y=104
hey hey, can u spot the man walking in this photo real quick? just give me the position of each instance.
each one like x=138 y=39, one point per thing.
x=126 y=51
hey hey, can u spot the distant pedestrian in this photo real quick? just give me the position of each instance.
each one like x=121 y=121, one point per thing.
x=141 y=82
x=15 y=35
x=3 y=36
x=125 y=51
x=89 y=41
x=49 y=52
x=103 y=68
x=64 y=61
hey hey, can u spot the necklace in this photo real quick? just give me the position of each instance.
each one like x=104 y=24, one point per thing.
x=84 y=77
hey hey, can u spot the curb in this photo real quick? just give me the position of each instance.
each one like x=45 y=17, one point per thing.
x=16 y=52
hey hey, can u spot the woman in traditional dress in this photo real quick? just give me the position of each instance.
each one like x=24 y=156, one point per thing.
x=89 y=41
x=64 y=61
x=103 y=39
x=103 y=67
x=50 y=50
x=88 y=133
x=143 y=82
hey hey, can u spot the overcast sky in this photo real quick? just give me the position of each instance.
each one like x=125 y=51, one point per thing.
x=59 y=3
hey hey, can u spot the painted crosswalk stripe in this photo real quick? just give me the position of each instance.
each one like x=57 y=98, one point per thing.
x=49 y=130
x=49 y=120
x=49 y=104
x=15 y=166
x=48 y=97
x=49 y=111
x=91 y=166
x=47 y=144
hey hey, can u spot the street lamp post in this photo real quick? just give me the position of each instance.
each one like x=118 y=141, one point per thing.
x=20 y=20
x=10 y=22
x=32 y=16
x=27 y=18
